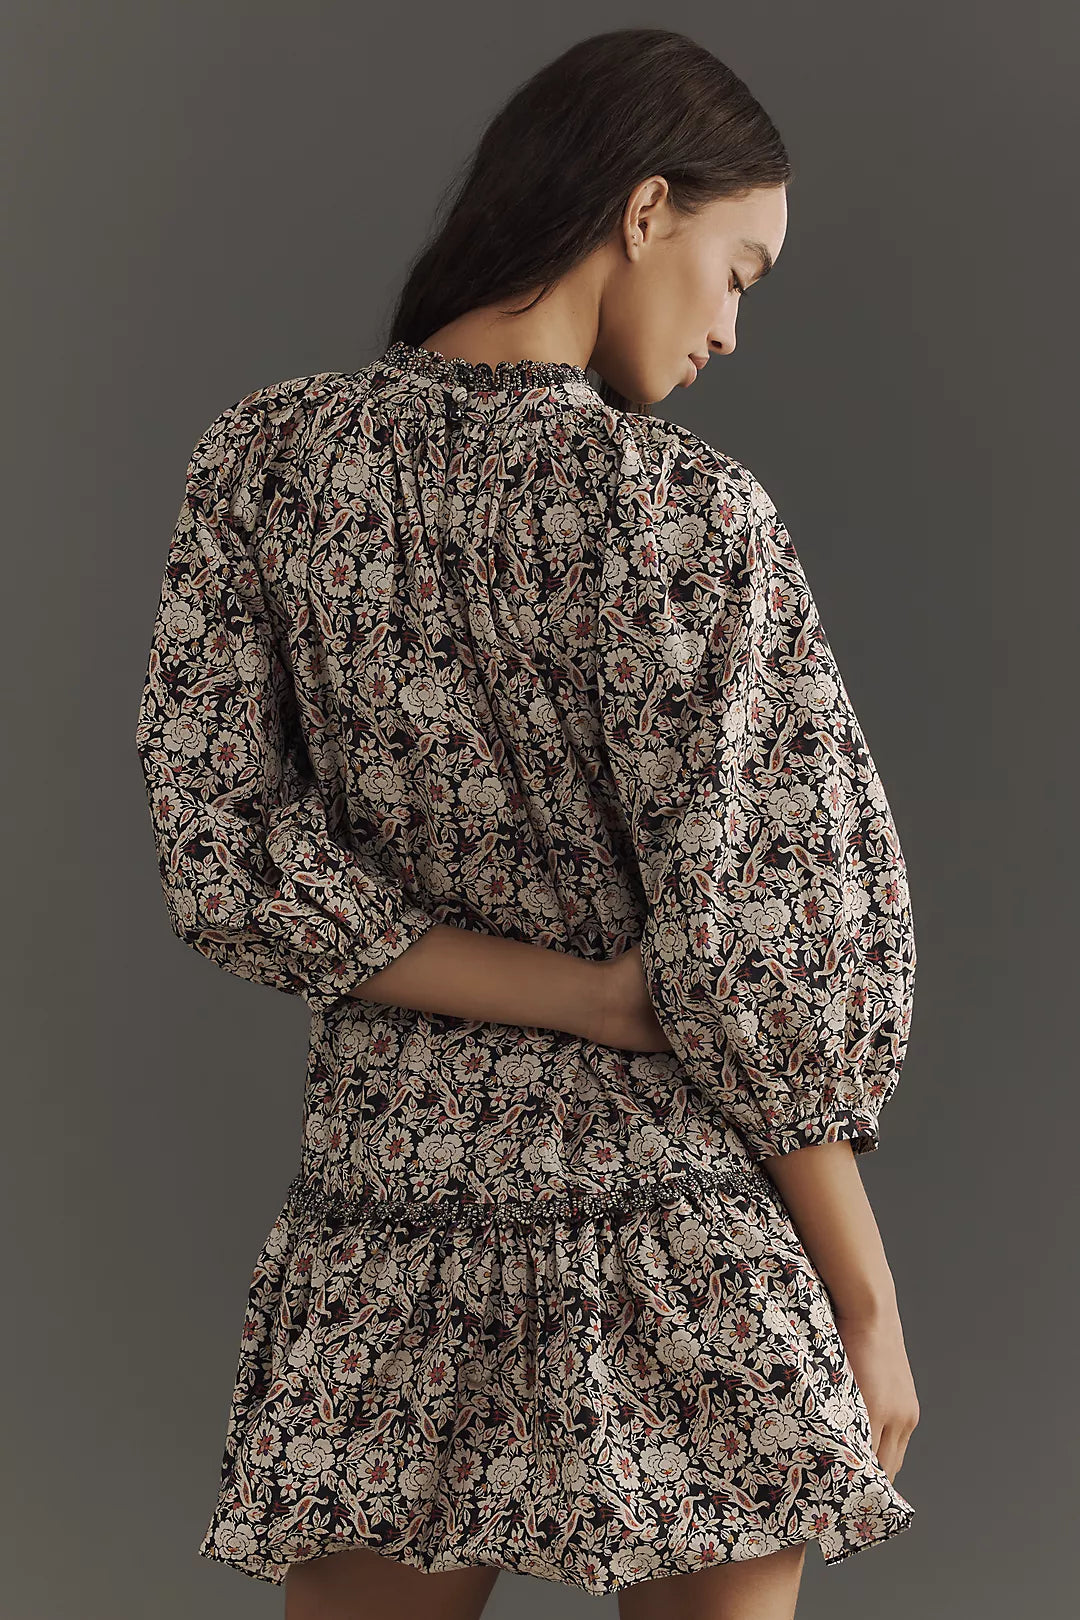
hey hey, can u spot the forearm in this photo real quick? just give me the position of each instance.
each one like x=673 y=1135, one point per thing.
x=824 y=1193
x=464 y=974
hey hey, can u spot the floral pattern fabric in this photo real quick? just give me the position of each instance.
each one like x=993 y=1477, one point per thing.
x=442 y=642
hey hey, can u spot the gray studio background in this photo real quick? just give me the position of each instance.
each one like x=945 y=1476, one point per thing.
x=206 y=197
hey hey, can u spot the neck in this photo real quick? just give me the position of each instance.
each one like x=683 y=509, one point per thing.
x=563 y=327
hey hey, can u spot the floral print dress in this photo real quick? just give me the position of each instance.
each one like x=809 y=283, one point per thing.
x=441 y=642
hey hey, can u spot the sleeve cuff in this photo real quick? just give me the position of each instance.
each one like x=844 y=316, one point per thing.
x=326 y=990
x=860 y=1129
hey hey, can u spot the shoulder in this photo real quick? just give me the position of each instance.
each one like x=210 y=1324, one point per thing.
x=691 y=512
x=279 y=412
x=694 y=475
x=289 y=431
x=696 y=543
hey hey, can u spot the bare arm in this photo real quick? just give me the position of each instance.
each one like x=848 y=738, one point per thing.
x=825 y=1196
x=508 y=981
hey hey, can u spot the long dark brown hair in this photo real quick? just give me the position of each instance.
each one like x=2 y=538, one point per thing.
x=553 y=170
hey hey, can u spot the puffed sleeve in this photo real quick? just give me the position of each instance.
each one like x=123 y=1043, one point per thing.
x=258 y=875
x=778 y=944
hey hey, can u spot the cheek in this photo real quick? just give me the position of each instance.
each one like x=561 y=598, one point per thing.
x=664 y=306
x=707 y=280
x=693 y=300
x=709 y=293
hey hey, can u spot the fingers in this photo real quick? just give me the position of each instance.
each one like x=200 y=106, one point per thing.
x=890 y=1448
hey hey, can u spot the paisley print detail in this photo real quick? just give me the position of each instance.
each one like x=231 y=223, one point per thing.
x=444 y=642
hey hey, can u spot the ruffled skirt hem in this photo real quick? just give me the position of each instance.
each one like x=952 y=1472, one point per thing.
x=697 y=1551
x=595 y=1396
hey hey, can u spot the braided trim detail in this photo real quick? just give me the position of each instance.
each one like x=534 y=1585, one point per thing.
x=572 y=1207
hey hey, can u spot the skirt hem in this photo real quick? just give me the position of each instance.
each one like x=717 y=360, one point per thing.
x=674 y=1563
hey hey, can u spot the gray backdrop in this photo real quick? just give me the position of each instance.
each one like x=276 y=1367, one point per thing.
x=210 y=196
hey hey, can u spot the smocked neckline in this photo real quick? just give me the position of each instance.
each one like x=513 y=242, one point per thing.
x=477 y=376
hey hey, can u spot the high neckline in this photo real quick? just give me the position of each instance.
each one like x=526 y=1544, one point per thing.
x=477 y=376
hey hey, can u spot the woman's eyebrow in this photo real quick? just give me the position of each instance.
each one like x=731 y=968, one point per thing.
x=761 y=252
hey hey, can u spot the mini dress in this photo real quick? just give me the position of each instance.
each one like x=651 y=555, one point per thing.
x=445 y=642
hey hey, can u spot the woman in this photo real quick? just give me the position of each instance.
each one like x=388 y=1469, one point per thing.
x=493 y=716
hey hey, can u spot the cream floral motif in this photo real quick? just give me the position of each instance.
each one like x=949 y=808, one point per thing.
x=442 y=642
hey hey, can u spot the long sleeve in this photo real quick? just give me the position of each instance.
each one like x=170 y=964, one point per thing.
x=259 y=871
x=778 y=946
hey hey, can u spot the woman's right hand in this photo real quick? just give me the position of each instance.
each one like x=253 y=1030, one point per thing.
x=626 y=1017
